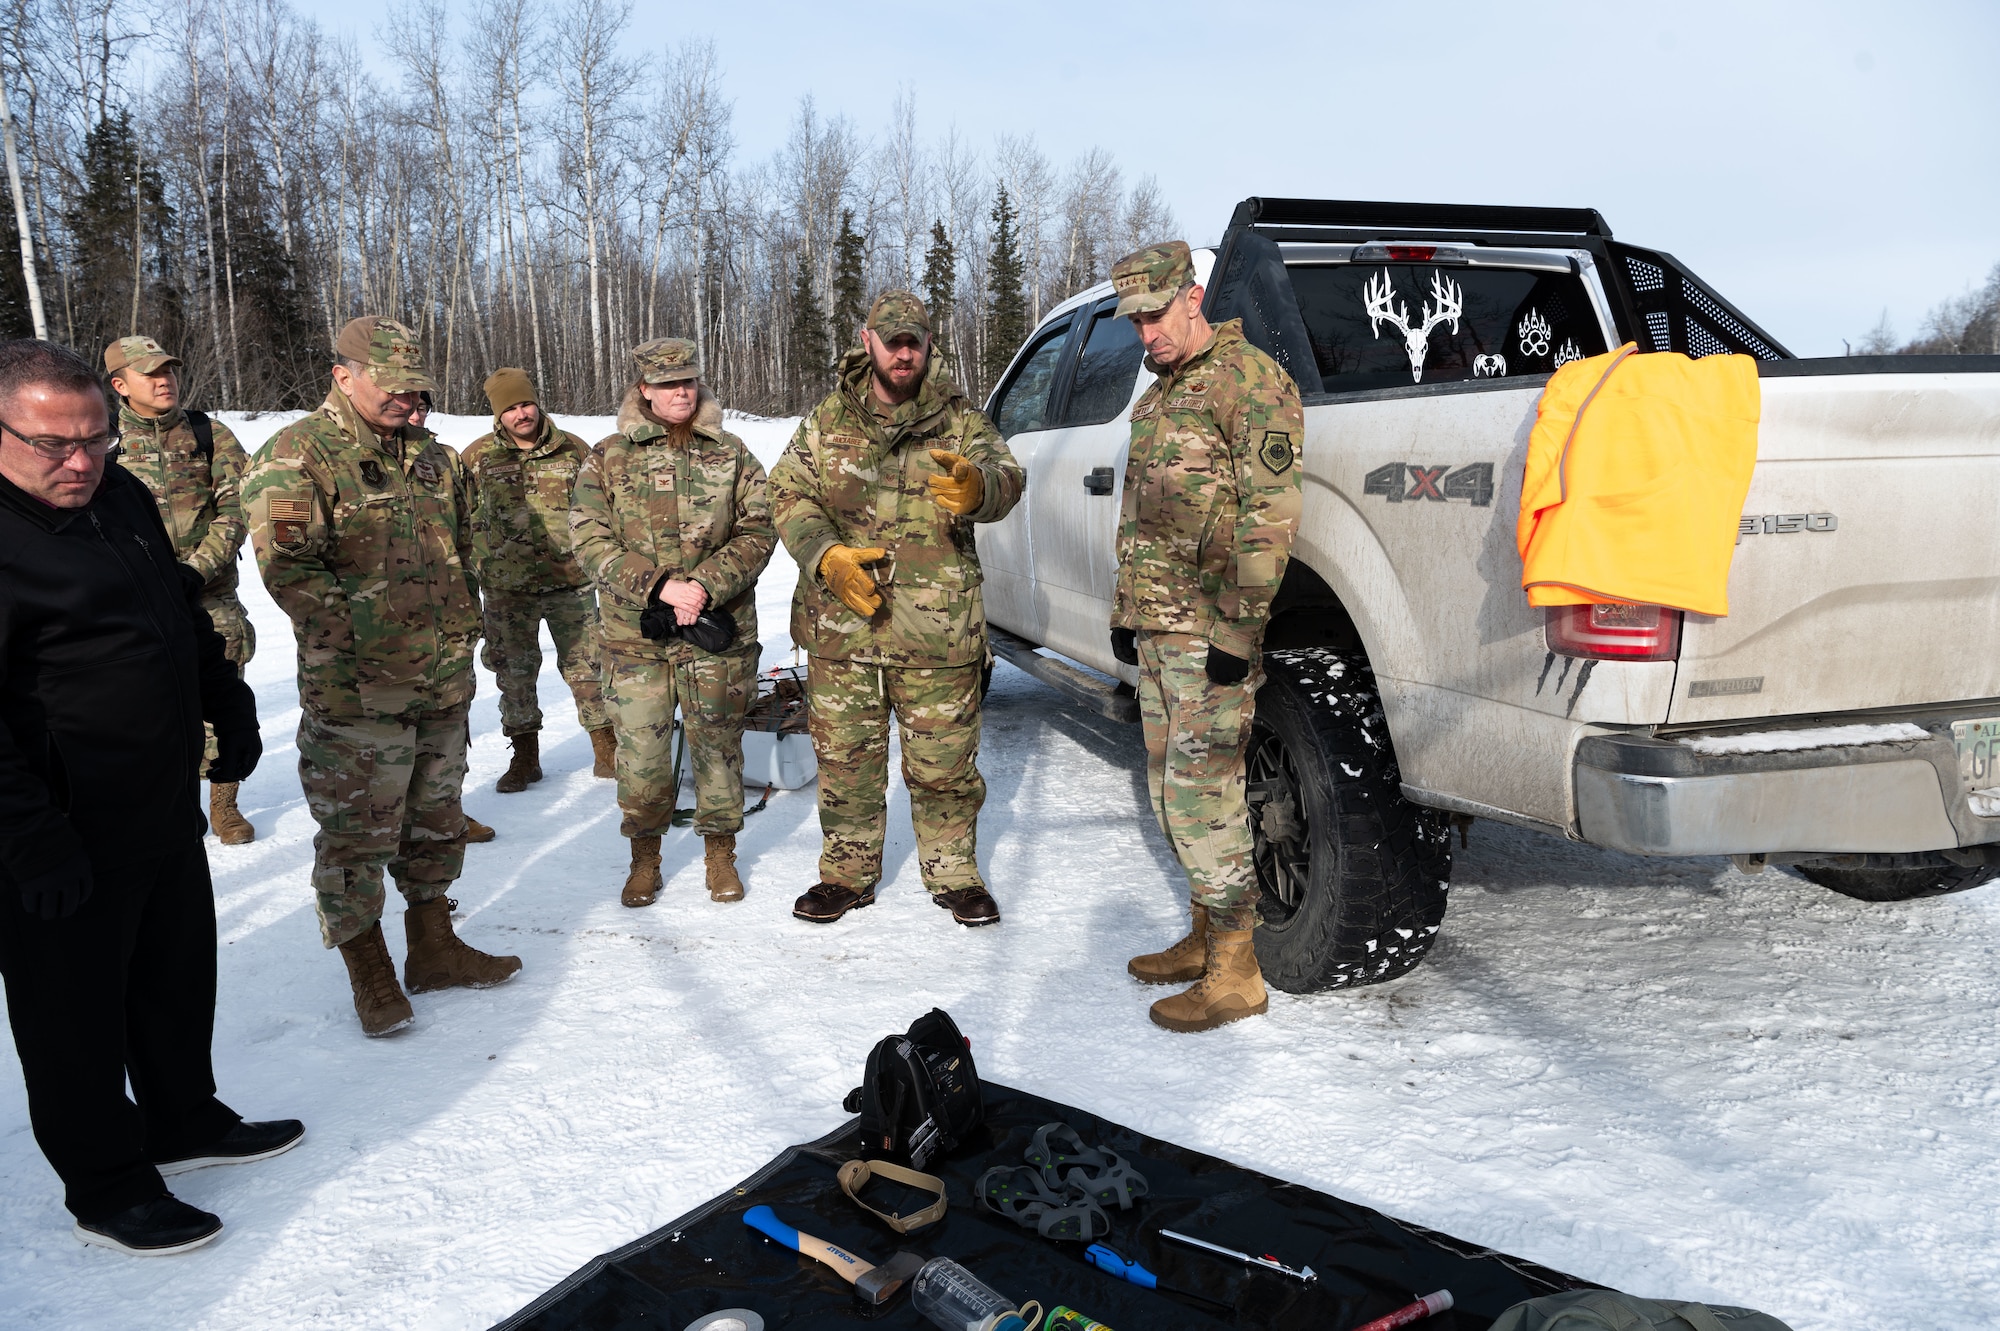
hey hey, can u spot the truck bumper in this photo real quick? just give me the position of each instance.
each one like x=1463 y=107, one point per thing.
x=1662 y=797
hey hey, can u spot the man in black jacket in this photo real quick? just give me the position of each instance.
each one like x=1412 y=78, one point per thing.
x=108 y=668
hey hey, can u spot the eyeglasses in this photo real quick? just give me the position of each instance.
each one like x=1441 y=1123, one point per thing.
x=60 y=450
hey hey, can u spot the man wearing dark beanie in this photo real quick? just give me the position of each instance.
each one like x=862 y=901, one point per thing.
x=523 y=473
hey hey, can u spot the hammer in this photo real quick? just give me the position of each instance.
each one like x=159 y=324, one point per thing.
x=873 y=1285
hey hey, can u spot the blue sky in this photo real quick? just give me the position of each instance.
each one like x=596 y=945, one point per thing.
x=1817 y=163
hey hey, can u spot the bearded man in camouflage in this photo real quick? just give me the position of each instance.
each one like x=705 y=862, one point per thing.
x=1211 y=504
x=194 y=468
x=876 y=499
x=362 y=524
x=524 y=474
x=672 y=516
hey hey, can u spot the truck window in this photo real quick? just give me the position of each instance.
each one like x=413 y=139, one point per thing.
x=1022 y=403
x=1106 y=368
x=1365 y=319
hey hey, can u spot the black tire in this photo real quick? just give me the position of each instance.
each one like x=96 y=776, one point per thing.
x=1899 y=884
x=1353 y=876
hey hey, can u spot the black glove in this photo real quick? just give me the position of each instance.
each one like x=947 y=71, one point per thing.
x=1125 y=645
x=56 y=894
x=656 y=621
x=236 y=755
x=1222 y=668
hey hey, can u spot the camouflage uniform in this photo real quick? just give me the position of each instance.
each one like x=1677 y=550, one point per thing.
x=1211 y=503
x=366 y=544
x=528 y=572
x=649 y=508
x=199 y=497
x=857 y=474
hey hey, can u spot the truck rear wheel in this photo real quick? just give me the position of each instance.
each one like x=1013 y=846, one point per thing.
x=1353 y=876
x=1868 y=884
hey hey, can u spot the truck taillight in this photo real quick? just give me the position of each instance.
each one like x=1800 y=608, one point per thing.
x=1615 y=632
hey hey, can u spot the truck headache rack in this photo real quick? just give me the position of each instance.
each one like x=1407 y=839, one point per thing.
x=1401 y=216
x=1656 y=301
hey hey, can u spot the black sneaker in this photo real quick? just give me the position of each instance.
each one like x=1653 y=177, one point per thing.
x=823 y=903
x=159 y=1228
x=240 y=1145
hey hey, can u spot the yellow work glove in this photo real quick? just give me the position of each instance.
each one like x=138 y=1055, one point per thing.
x=962 y=488
x=841 y=567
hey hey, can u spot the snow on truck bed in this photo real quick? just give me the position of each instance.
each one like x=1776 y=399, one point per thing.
x=1664 y=1076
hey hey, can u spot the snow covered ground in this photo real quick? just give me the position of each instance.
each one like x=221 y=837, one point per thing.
x=1666 y=1077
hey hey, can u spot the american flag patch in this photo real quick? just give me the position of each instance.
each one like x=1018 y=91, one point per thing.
x=289 y=510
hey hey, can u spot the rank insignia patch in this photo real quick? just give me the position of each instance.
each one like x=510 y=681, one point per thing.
x=1276 y=452
x=427 y=471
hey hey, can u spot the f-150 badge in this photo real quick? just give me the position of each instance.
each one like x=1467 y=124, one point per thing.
x=1398 y=481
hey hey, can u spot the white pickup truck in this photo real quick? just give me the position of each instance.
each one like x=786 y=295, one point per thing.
x=1843 y=719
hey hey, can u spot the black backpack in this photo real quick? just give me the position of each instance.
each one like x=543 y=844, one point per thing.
x=920 y=1095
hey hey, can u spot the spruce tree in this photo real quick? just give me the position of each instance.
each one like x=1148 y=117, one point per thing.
x=850 y=296
x=811 y=358
x=278 y=339
x=117 y=193
x=940 y=284
x=1006 y=301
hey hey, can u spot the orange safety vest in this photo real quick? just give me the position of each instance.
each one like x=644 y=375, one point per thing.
x=1637 y=471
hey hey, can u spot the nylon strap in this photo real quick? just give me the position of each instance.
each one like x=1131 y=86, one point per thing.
x=854 y=1176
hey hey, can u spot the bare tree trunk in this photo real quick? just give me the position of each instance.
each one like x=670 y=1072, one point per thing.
x=26 y=232
x=138 y=229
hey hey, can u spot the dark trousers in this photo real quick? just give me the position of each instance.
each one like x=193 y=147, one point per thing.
x=123 y=988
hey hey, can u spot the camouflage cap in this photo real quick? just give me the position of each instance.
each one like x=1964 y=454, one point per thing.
x=895 y=313
x=389 y=351
x=1148 y=279
x=667 y=360
x=137 y=353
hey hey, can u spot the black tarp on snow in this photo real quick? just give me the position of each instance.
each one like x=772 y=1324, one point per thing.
x=1367 y=1263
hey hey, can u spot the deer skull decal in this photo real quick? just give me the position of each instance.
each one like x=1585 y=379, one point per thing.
x=1377 y=296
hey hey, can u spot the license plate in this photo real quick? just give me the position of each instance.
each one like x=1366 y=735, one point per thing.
x=1978 y=745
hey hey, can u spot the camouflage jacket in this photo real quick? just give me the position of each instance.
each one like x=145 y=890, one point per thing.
x=849 y=478
x=367 y=546
x=200 y=498
x=520 y=513
x=1211 y=495
x=645 y=507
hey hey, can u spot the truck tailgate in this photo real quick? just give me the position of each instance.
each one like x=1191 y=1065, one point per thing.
x=1868 y=574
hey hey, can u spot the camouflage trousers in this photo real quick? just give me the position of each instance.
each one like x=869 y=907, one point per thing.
x=713 y=692
x=384 y=791
x=937 y=715
x=1196 y=734
x=513 y=652
x=239 y=644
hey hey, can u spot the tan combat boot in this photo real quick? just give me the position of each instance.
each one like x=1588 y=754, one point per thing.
x=527 y=764
x=437 y=959
x=228 y=821
x=642 y=884
x=476 y=830
x=1230 y=989
x=603 y=752
x=1179 y=964
x=378 y=999
x=723 y=884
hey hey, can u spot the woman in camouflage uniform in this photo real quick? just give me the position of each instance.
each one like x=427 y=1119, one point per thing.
x=672 y=511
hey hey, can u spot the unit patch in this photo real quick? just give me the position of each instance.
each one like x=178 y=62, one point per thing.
x=1400 y=481
x=371 y=472
x=1276 y=452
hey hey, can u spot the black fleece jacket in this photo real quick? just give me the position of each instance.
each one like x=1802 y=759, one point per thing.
x=108 y=667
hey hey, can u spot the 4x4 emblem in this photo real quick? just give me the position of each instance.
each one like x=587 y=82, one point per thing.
x=1472 y=483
